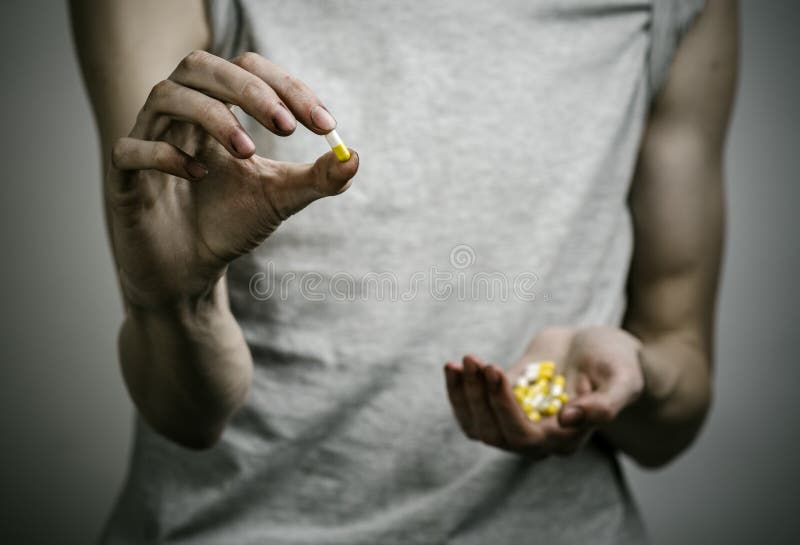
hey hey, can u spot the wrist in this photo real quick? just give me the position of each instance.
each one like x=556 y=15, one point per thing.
x=191 y=310
x=676 y=379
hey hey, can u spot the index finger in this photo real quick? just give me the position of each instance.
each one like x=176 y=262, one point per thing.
x=233 y=84
x=303 y=103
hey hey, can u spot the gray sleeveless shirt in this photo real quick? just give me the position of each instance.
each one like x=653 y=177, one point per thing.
x=497 y=144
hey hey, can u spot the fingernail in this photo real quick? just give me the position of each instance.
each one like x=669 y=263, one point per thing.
x=573 y=416
x=242 y=143
x=283 y=119
x=322 y=119
x=195 y=169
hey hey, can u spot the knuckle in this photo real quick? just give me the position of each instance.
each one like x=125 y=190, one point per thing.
x=219 y=112
x=159 y=90
x=247 y=60
x=216 y=113
x=294 y=87
x=194 y=60
x=160 y=156
x=165 y=158
x=117 y=153
x=252 y=90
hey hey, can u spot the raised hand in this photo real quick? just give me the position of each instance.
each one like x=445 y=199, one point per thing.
x=186 y=194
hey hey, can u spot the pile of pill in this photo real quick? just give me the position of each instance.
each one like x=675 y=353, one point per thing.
x=538 y=391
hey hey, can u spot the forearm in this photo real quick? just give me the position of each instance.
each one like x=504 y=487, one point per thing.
x=187 y=367
x=674 y=402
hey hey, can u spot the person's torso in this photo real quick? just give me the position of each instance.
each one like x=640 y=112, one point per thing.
x=497 y=144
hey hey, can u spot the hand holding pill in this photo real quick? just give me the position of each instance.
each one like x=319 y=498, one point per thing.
x=570 y=382
x=187 y=192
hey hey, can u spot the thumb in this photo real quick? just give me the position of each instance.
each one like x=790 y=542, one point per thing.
x=293 y=186
x=597 y=407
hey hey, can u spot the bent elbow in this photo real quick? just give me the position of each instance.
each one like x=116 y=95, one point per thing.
x=676 y=441
x=197 y=437
x=200 y=440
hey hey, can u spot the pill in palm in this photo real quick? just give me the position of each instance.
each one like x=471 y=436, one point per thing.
x=539 y=390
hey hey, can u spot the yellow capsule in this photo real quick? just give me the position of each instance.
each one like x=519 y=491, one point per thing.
x=558 y=385
x=546 y=373
x=534 y=416
x=541 y=385
x=337 y=145
x=538 y=400
x=552 y=407
x=563 y=397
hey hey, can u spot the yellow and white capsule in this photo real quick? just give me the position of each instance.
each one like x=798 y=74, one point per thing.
x=532 y=371
x=558 y=385
x=541 y=385
x=557 y=389
x=538 y=400
x=546 y=369
x=337 y=145
x=552 y=407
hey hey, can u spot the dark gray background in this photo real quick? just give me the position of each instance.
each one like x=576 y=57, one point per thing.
x=64 y=414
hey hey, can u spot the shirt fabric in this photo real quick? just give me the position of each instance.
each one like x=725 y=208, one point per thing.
x=497 y=144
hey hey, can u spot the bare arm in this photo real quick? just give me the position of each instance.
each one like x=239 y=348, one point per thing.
x=647 y=387
x=678 y=209
x=185 y=194
x=125 y=48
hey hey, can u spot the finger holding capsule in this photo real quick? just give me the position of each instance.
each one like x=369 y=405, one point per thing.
x=293 y=186
x=230 y=83
x=300 y=99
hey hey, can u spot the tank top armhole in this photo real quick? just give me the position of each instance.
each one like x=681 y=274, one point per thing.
x=228 y=27
x=669 y=21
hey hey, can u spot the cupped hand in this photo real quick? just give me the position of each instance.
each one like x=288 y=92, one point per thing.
x=186 y=193
x=603 y=373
